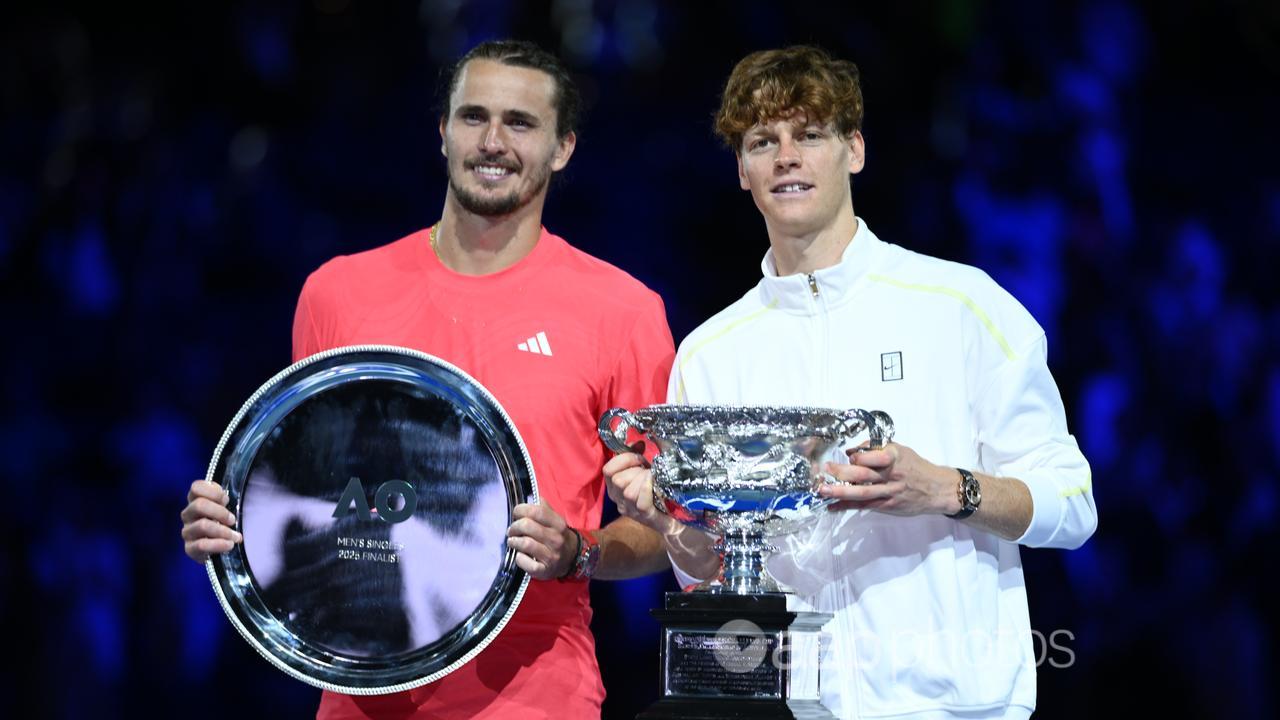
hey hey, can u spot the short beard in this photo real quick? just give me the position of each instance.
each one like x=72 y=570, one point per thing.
x=486 y=206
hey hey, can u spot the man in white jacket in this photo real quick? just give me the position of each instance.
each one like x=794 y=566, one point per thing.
x=918 y=561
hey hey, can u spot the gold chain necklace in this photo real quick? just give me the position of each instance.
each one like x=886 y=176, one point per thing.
x=431 y=236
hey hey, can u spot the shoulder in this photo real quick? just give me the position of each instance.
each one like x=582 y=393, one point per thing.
x=898 y=265
x=370 y=272
x=590 y=273
x=723 y=327
x=929 y=283
x=597 y=290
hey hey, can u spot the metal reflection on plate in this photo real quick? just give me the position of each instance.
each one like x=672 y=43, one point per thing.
x=373 y=486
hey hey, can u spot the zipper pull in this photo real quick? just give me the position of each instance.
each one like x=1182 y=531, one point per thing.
x=813 y=284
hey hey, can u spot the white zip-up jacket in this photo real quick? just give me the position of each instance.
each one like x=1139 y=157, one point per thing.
x=930 y=615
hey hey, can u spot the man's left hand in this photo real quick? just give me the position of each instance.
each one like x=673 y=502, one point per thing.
x=894 y=480
x=543 y=542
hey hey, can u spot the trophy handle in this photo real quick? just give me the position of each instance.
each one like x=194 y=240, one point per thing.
x=878 y=424
x=616 y=438
x=881 y=429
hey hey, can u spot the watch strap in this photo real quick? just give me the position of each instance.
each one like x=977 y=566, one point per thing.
x=586 y=557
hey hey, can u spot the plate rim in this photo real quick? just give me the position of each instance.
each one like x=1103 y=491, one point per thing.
x=212 y=564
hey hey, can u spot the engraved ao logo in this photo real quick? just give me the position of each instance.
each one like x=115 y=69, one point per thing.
x=388 y=510
x=740 y=646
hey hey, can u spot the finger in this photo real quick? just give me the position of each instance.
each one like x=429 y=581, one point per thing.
x=206 y=489
x=200 y=550
x=873 y=458
x=618 y=493
x=640 y=496
x=619 y=481
x=541 y=534
x=853 y=474
x=861 y=493
x=542 y=513
x=627 y=479
x=531 y=548
x=206 y=508
x=621 y=462
x=535 y=568
x=541 y=560
x=644 y=502
x=532 y=518
x=531 y=511
x=207 y=528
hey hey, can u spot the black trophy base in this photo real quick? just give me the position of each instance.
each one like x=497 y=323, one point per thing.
x=728 y=656
x=724 y=708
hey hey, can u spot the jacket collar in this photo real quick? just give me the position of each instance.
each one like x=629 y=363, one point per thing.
x=835 y=284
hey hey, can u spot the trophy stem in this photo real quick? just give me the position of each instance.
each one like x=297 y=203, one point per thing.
x=743 y=571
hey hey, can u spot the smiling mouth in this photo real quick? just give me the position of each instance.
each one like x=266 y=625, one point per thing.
x=491 y=172
x=791 y=189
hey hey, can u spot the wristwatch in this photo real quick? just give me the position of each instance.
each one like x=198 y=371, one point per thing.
x=970 y=494
x=586 y=559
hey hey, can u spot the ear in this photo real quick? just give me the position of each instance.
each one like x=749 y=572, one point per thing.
x=742 y=173
x=857 y=152
x=564 y=151
x=442 y=142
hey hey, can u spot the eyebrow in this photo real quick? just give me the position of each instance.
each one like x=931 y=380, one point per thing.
x=466 y=109
x=529 y=118
x=507 y=115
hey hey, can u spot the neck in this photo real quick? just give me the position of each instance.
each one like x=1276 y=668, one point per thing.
x=473 y=244
x=807 y=251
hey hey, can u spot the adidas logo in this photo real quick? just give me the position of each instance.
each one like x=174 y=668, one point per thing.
x=537 y=345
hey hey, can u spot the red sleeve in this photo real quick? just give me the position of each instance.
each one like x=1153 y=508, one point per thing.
x=313 y=322
x=647 y=351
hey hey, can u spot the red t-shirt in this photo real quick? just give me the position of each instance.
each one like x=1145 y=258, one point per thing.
x=558 y=338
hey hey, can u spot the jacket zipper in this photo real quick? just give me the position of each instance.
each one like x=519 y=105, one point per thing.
x=824 y=342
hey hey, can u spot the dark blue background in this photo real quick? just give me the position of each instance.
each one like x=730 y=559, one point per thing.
x=171 y=173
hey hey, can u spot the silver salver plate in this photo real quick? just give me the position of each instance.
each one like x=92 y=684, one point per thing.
x=374 y=486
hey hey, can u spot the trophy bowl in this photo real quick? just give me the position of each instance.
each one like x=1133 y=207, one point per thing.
x=743 y=473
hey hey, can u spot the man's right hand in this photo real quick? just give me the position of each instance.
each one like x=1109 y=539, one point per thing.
x=207 y=523
x=629 y=482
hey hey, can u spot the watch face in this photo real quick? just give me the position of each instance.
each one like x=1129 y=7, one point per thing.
x=593 y=559
x=972 y=493
x=590 y=556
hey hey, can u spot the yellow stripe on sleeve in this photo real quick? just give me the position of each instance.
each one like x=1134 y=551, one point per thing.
x=681 y=396
x=1072 y=492
x=964 y=299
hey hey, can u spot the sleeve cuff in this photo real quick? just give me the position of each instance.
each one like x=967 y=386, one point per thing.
x=1046 y=514
x=683 y=578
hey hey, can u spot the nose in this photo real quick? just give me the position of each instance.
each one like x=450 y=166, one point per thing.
x=788 y=155
x=492 y=142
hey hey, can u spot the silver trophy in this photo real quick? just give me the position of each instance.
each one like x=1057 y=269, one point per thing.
x=740 y=648
x=743 y=473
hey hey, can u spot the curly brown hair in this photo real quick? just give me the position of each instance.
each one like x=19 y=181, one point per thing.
x=773 y=84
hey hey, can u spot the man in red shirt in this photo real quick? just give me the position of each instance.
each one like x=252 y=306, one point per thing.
x=488 y=289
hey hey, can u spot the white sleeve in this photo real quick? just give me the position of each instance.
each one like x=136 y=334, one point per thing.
x=683 y=578
x=1022 y=433
x=676 y=394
